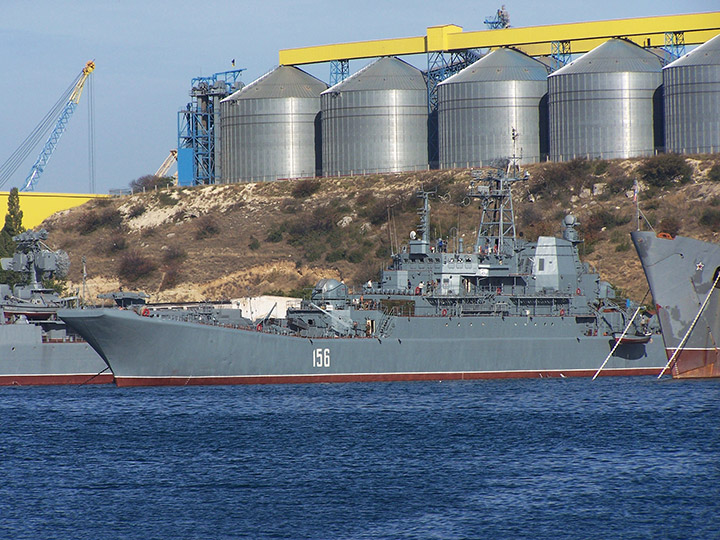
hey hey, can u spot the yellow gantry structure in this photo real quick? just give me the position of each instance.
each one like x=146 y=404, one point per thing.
x=36 y=207
x=695 y=28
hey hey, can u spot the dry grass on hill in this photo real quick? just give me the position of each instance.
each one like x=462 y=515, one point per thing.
x=227 y=241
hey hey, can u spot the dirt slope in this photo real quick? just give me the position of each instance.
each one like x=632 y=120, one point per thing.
x=227 y=241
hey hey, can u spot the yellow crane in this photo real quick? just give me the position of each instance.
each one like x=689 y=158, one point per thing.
x=169 y=162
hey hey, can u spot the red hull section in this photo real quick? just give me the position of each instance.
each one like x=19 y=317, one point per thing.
x=696 y=364
x=38 y=380
x=385 y=377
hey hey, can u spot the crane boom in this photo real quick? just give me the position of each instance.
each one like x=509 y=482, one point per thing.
x=169 y=161
x=51 y=143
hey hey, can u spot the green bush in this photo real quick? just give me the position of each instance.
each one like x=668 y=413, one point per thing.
x=134 y=265
x=206 y=226
x=605 y=219
x=274 y=236
x=714 y=173
x=619 y=184
x=355 y=256
x=254 y=244
x=711 y=218
x=305 y=188
x=174 y=254
x=150 y=182
x=382 y=252
x=165 y=199
x=118 y=242
x=365 y=198
x=137 y=210
x=670 y=225
x=601 y=167
x=335 y=255
x=622 y=246
x=171 y=277
x=665 y=169
x=325 y=217
x=92 y=220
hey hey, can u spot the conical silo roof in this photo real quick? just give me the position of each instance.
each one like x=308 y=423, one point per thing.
x=501 y=65
x=387 y=73
x=613 y=56
x=281 y=82
x=707 y=54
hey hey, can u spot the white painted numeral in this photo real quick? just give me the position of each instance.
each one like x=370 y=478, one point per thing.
x=321 y=358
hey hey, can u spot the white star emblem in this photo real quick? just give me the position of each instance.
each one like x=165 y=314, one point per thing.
x=699 y=267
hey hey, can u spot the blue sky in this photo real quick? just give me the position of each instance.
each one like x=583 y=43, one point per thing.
x=147 y=52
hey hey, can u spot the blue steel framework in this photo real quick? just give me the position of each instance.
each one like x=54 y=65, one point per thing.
x=39 y=166
x=339 y=71
x=196 y=128
x=674 y=46
x=442 y=65
x=560 y=54
x=47 y=151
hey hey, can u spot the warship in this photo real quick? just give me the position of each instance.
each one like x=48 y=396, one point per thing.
x=684 y=275
x=502 y=308
x=36 y=347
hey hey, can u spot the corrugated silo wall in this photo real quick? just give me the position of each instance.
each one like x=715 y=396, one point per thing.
x=370 y=131
x=602 y=115
x=476 y=120
x=269 y=138
x=692 y=108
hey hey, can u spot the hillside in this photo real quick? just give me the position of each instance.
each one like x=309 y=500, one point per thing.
x=229 y=241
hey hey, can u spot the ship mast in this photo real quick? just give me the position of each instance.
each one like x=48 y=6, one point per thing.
x=497 y=234
x=419 y=240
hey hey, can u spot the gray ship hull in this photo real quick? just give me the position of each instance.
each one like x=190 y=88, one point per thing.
x=25 y=359
x=155 y=351
x=681 y=273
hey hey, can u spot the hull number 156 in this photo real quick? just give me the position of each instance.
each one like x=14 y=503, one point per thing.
x=321 y=358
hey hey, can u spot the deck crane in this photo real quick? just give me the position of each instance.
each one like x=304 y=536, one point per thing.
x=49 y=148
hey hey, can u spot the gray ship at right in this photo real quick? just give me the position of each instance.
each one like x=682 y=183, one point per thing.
x=502 y=308
x=684 y=275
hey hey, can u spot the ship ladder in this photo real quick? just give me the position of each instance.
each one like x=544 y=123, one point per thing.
x=387 y=323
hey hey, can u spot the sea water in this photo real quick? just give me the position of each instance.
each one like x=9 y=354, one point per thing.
x=541 y=459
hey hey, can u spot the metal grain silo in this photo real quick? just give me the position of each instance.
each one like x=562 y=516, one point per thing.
x=376 y=121
x=269 y=128
x=480 y=106
x=692 y=101
x=602 y=104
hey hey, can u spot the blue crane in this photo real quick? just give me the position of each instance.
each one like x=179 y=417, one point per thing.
x=51 y=143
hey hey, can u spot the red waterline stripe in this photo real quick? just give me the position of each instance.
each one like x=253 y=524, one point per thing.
x=33 y=380
x=379 y=377
x=695 y=363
